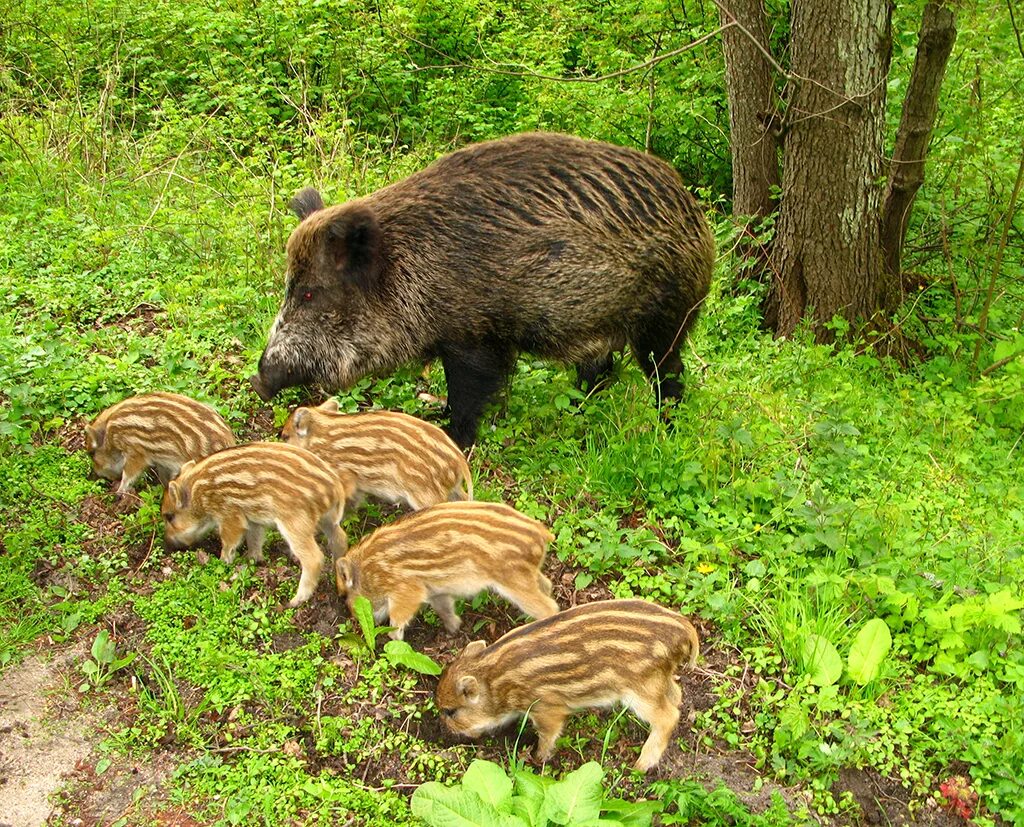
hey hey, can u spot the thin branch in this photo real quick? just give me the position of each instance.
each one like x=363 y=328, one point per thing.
x=1004 y=361
x=767 y=55
x=1016 y=31
x=983 y=321
x=598 y=79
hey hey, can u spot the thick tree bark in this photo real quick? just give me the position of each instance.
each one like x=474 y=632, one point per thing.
x=827 y=252
x=748 y=78
x=906 y=172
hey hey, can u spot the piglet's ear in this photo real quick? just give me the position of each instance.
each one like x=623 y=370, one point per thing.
x=344 y=579
x=330 y=406
x=180 y=493
x=473 y=649
x=467 y=688
x=300 y=422
x=354 y=246
x=306 y=202
x=94 y=437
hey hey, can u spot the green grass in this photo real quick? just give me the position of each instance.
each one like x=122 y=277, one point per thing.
x=798 y=488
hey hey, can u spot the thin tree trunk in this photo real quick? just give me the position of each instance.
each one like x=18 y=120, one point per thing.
x=906 y=172
x=827 y=252
x=748 y=78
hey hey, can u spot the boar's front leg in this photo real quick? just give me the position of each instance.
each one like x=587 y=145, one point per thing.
x=473 y=377
x=592 y=374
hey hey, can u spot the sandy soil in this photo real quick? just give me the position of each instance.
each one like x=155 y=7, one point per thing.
x=40 y=742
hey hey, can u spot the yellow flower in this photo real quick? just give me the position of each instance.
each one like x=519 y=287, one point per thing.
x=705 y=568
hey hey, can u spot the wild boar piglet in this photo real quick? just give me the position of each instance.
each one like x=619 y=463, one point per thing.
x=594 y=655
x=153 y=430
x=393 y=456
x=243 y=490
x=447 y=551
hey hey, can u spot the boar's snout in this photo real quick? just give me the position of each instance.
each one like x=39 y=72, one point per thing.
x=262 y=391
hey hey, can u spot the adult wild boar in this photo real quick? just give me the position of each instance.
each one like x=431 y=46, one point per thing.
x=543 y=243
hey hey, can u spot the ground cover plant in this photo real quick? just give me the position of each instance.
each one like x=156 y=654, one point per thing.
x=845 y=530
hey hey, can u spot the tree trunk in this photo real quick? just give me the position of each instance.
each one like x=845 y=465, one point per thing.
x=748 y=78
x=827 y=252
x=906 y=172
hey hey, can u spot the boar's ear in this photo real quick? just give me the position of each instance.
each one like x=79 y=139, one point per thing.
x=300 y=422
x=330 y=406
x=473 y=649
x=468 y=688
x=306 y=202
x=354 y=246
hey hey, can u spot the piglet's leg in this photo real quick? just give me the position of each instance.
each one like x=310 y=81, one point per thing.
x=402 y=607
x=232 y=530
x=531 y=600
x=444 y=605
x=663 y=715
x=311 y=558
x=548 y=720
x=134 y=465
x=254 y=536
x=337 y=542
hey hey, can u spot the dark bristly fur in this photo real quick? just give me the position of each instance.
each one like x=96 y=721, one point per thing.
x=595 y=655
x=393 y=456
x=444 y=552
x=153 y=430
x=241 y=491
x=539 y=242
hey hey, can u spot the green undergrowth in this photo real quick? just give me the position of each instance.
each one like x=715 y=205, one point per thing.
x=799 y=492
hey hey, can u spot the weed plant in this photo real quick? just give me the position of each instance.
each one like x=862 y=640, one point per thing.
x=799 y=493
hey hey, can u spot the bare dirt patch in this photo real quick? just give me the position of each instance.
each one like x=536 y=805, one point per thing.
x=36 y=753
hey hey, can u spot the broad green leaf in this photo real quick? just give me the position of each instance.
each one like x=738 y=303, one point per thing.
x=400 y=652
x=364 y=614
x=102 y=650
x=632 y=813
x=489 y=781
x=577 y=797
x=869 y=649
x=528 y=801
x=441 y=806
x=821 y=660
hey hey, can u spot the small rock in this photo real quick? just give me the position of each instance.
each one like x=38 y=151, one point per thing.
x=202 y=558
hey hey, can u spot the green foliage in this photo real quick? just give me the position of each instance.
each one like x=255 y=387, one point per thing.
x=869 y=649
x=849 y=530
x=401 y=653
x=488 y=797
x=690 y=802
x=100 y=668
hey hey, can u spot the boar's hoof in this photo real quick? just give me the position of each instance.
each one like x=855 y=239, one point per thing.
x=260 y=388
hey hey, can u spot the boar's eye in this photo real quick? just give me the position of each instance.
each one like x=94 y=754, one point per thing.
x=448 y=712
x=307 y=296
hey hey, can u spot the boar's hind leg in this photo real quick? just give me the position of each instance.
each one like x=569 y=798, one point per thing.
x=593 y=374
x=473 y=377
